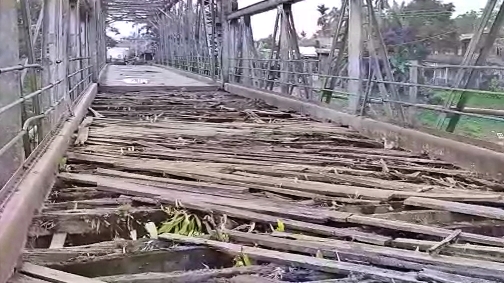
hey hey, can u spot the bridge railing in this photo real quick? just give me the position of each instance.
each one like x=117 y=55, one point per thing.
x=421 y=96
x=42 y=75
x=416 y=95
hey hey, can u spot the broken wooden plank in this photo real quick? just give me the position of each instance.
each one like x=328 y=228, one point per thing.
x=423 y=229
x=93 y=221
x=465 y=250
x=199 y=200
x=54 y=275
x=194 y=276
x=343 y=268
x=96 y=113
x=446 y=241
x=58 y=240
x=252 y=279
x=431 y=275
x=22 y=278
x=382 y=256
x=470 y=209
x=83 y=131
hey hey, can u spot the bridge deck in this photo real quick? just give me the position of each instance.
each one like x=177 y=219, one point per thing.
x=242 y=168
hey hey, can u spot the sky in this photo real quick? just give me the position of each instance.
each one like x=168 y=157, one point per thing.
x=305 y=15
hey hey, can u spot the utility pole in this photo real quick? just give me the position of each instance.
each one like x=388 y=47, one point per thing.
x=355 y=50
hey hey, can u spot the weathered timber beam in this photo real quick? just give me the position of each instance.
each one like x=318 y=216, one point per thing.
x=258 y=8
x=53 y=275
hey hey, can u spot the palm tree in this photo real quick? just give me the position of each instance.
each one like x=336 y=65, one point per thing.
x=322 y=20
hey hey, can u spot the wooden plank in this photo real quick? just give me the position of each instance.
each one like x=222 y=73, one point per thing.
x=431 y=275
x=312 y=228
x=252 y=279
x=21 y=278
x=446 y=241
x=466 y=250
x=382 y=256
x=83 y=132
x=470 y=209
x=423 y=229
x=53 y=275
x=231 y=189
x=58 y=240
x=194 y=276
x=309 y=262
x=200 y=201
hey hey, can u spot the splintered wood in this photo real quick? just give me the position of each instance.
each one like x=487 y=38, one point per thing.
x=283 y=189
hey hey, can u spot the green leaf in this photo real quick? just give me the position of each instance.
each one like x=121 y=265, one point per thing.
x=246 y=260
x=280 y=226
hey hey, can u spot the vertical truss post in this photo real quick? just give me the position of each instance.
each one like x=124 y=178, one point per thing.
x=355 y=51
x=383 y=56
x=331 y=67
x=275 y=54
x=49 y=53
x=291 y=65
x=63 y=53
x=213 y=47
x=298 y=64
x=93 y=43
x=284 y=49
x=246 y=58
x=413 y=92
x=226 y=7
x=72 y=46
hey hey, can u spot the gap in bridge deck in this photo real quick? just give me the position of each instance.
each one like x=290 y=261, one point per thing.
x=254 y=164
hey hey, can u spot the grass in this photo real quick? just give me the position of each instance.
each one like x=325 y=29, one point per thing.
x=470 y=126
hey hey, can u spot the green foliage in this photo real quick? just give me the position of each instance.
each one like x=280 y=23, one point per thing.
x=430 y=21
x=242 y=260
x=466 y=23
x=181 y=222
x=468 y=126
x=280 y=226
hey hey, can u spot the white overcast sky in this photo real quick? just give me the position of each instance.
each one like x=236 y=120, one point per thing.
x=305 y=15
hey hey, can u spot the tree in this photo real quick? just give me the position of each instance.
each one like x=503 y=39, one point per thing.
x=432 y=24
x=266 y=43
x=322 y=9
x=420 y=27
x=466 y=23
x=327 y=20
x=110 y=42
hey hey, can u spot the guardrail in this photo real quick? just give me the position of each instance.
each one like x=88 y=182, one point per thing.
x=420 y=101
x=42 y=108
